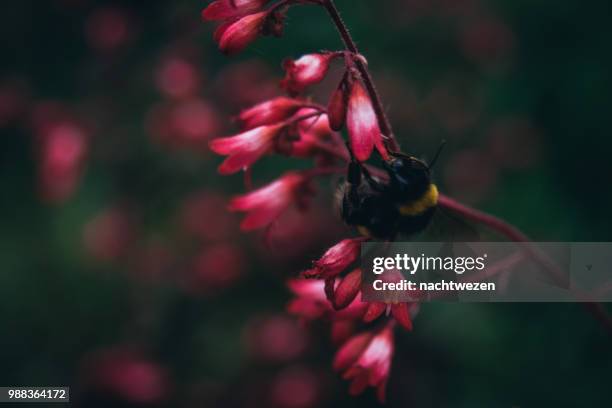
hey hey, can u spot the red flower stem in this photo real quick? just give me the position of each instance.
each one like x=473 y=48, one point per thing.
x=516 y=235
x=496 y=224
x=383 y=120
x=303 y=117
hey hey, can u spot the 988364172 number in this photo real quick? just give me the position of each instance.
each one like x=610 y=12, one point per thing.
x=17 y=394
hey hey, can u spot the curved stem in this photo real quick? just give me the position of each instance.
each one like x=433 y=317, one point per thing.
x=383 y=120
x=491 y=221
x=510 y=231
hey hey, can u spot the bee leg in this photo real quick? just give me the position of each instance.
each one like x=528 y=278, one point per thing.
x=375 y=184
x=352 y=203
x=354 y=178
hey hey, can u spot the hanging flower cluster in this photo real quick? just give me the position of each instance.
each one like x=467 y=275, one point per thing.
x=295 y=126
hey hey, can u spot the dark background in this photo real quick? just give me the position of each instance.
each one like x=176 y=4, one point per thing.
x=137 y=268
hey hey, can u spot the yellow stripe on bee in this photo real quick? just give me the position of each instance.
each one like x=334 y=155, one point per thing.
x=427 y=201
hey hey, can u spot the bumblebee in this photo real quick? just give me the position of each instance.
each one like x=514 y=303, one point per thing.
x=405 y=204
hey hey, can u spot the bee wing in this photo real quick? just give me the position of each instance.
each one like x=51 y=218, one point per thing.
x=448 y=227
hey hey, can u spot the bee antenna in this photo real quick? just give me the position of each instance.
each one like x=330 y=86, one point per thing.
x=437 y=155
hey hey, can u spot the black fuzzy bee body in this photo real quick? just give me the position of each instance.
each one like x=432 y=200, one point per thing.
x=405 y=204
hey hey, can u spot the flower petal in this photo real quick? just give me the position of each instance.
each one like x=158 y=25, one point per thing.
x=347 y=290
x=375 y=310
x=270 y=112
x=362 y=123
x=240 y=33
x=225 y=9
x=401 y=313
x=351 y=350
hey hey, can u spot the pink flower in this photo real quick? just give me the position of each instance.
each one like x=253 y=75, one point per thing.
x=275 y=338
x=63 y=148
x=366 y=360
x=227 y=9
x=308 y=70
x=108 y=28
x=128 y=374
x=312 y=132
x=245 y=148
x=362 y=123
x=269 y=112
x=177 y=78
x=110 y=234
x=347 y=290
x=267 y=203
x=311 y=302
x=215 y=268
x=336 y=259
x=236 y=35
x=316 y=125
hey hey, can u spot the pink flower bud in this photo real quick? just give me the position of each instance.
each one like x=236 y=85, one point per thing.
x=336 y=109
x=374 y=311
x=245 y=148
x=336 y=259
x=308 y=70
x=364 y=131
x=401 y=313
x=347 y=290
x=227 y=9
x=234 y=36
x=270 y=112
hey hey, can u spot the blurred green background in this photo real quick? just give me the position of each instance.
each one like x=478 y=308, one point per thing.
x=120 y=265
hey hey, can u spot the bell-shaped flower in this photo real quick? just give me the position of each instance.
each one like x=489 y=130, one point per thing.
x=245 y=148
x=235 y=35
x=228 y=9
x=265 y=205
x=312 y=133
x=347 y=290
x=305 y=71
x=362 y=123
x=270 y=112
x=337 y=259
x=365 y=359
x=311 y=303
